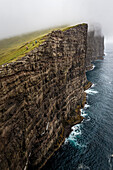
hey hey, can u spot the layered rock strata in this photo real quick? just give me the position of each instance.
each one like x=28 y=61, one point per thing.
x=95 y=48
x=38 y=98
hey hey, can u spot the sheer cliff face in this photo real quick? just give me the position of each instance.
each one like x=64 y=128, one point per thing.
x=38 y=98
x=95 y=48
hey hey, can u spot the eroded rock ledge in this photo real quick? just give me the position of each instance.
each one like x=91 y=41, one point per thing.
x=40 y=98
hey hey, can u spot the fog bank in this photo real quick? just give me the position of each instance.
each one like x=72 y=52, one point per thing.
x=17 y=17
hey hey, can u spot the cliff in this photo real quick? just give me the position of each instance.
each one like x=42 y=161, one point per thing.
x=95 y=48
x=41 y=96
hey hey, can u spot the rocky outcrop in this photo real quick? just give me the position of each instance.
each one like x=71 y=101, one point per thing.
x=41 y=96
x=95 y=48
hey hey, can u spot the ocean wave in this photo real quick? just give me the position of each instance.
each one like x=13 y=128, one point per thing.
x=76 y=131
x=74 y=136
x=91 y=91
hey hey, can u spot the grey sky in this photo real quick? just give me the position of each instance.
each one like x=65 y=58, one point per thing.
x=21 y=16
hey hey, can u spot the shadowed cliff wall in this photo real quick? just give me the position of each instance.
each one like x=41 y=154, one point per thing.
x=95 y=48
x=40 y=97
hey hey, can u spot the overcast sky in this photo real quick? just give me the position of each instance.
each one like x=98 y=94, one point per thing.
x=22 y=16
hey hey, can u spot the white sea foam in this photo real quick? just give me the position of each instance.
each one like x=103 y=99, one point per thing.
x=81 y=110
x=93 y=85
x=75 y=143
x=93 y=67
x=76 y=131
x=105 y=53
x=87 y=119
x=74 y=136
x=91 y=91
x=86 y=106
x=83 y=113
x=83 y=167
x=110 y=160
x=66 y=141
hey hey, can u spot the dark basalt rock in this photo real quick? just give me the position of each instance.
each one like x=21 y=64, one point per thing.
x=95 y=48
x=40 y=99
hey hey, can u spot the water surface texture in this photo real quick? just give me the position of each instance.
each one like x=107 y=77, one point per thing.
x=90 y=144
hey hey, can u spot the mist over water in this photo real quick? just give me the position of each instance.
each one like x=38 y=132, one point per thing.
x=90 y=144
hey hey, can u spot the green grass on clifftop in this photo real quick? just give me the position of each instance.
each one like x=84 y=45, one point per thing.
x=14 y=48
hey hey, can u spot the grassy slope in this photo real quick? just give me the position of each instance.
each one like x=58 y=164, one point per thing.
x=15 y=47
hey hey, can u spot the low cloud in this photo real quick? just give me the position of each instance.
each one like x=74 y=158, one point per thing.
x=17 y=17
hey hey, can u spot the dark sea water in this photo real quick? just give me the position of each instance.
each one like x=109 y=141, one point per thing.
x=90 y=145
